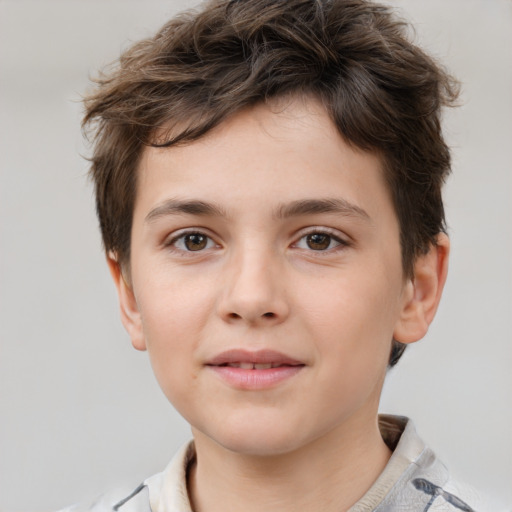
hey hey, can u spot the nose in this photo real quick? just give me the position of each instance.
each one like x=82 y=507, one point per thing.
x=253 y=290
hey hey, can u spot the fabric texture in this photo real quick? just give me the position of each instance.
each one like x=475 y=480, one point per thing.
x=414 y=480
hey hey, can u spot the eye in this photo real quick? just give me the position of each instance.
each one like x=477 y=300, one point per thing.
x=192 y=242
x=319 y=241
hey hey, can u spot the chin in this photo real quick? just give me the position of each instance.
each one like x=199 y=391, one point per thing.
x=257 y=438
x=260 y=445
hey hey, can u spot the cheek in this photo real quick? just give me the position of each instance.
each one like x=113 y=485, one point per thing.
x=171 y=305
x=353 y=316
x=353 y=332
x=173 y=317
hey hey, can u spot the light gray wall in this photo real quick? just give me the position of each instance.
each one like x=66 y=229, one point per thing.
x=80 y=411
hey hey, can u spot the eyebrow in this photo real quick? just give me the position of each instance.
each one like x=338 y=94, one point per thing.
x=315 y=206
x=294 y=209
x=176 y=207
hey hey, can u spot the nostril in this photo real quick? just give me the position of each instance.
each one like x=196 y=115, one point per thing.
x=269 y=315
x=234 y=316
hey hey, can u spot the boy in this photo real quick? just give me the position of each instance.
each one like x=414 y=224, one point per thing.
x=268 y=180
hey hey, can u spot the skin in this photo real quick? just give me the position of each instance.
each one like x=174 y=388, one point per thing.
x=310 y=442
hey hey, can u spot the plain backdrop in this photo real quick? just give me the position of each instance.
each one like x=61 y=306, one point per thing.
x=80 y=410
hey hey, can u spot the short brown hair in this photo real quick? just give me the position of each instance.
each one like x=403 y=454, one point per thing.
x=383 y=93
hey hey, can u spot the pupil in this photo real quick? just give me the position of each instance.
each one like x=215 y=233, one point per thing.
x=318 y=241
x=195 y=242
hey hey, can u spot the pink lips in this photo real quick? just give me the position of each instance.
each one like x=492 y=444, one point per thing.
x=259 y=370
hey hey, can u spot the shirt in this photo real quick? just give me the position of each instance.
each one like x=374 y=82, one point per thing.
x=414 y=480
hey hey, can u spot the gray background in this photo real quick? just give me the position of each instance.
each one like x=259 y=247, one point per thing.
x=80 y=411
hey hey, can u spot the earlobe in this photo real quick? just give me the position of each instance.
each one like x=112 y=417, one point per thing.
x=130 y=314
x=422 y=293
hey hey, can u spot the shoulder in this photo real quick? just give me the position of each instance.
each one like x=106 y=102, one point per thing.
x=418 y=481
x=479 y=501
x=136 y=500
x=163 y=491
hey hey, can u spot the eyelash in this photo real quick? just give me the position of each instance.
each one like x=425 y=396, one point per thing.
x=340 y=242
x=172 y=243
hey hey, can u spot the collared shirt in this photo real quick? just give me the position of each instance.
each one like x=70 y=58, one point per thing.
x=414 y=480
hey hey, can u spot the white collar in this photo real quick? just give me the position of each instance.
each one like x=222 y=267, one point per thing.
x=168 y=490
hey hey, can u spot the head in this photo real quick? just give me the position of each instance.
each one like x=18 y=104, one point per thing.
x=382 y=93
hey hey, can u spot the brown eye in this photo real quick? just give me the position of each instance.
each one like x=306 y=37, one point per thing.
x=192 y=241
x=318 y=241
x=321 y=241
x=195 y=241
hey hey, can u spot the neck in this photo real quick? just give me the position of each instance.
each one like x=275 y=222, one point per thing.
x=328 y=474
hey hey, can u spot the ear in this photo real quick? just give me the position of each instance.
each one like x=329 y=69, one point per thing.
x=130 y=315
x=422 y=292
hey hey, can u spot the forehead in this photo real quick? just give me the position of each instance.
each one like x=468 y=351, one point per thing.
x=283 y=151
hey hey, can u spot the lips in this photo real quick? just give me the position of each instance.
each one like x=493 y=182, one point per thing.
x=259 y=360
x=259 y=370
x=253 y=366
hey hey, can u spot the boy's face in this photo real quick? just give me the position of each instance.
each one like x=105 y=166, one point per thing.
x=268 y=241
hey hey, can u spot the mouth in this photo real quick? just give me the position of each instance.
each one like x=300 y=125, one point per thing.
x=259 y=370
x=255 y=366
x=258 y=360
